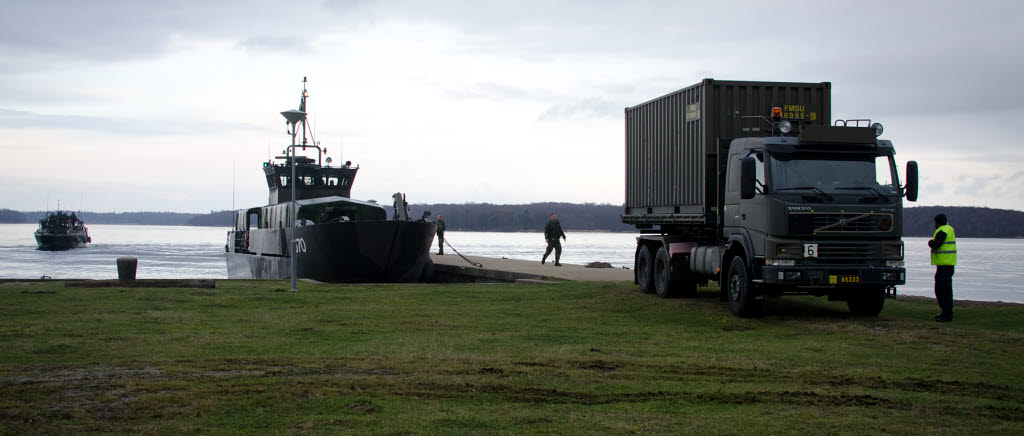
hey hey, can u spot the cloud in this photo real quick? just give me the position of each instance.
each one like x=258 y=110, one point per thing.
x=584 y=108
x=52 y=34
x=276 y=43
x=18 y=119
x=494 y=91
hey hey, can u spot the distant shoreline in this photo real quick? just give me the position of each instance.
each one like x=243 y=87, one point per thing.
x=539 y=230
x=978 y=222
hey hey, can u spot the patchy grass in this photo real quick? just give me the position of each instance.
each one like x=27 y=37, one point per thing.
x=561 y=358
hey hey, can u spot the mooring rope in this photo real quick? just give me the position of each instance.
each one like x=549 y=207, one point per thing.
x=476 y=264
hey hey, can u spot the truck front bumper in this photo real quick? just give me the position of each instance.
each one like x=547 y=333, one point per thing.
x=834 y=275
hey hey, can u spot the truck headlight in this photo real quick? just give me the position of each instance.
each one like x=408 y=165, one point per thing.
x=894 y=263
x=785 y=126
x=780 y=262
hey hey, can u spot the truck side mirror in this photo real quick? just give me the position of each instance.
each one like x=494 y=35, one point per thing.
x=912 y=181
x=747 y=176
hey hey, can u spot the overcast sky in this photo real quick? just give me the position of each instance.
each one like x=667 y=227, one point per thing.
x=173 y=106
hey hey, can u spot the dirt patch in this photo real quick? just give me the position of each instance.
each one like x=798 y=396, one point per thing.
x=18 y=284
x=598 y=365
x=538 y=364
x=38 y=292
x=977 y=389
x=558 y=396
x=363 y=407
x=490 y=371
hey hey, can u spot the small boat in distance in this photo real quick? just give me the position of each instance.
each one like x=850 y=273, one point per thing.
x=337 y=239
x=60 y=231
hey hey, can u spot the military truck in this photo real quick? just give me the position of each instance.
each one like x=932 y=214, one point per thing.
x=749 y=184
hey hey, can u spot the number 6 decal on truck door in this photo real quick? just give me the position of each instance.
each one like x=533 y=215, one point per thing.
x=810 y=250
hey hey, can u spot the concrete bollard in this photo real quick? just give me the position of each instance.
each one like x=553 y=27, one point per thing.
x=126 y=268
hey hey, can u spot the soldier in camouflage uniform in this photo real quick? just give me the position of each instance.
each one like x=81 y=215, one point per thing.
x=440 y=236
x=552 y=231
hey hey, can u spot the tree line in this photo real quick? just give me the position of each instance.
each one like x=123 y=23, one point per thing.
x=972 y=222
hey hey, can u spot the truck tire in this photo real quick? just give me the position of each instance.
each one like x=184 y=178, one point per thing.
x=741 y=290
x=866 y=301
x=644 y=265
x=663 y=275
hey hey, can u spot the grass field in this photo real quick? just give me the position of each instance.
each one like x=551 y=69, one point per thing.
x=564 y=358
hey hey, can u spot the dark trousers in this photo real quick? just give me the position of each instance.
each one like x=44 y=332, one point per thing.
x=440 y=242
x=557 y=246
x=944 y=288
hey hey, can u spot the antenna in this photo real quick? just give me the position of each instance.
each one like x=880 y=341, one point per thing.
x=232 y=185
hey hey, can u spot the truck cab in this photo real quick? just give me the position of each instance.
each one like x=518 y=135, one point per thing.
x=819 y=212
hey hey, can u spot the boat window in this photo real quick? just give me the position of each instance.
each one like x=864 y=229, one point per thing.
x=284 y=181
x=332 y=181
x=308 y=181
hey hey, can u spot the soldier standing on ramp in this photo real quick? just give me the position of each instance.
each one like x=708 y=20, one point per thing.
x=552 y=230
x=440 y=236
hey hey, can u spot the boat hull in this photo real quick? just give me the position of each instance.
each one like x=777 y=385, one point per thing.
x=339 y=252
x=60 y=241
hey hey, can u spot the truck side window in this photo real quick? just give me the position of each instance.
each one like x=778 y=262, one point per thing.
x=758 y=171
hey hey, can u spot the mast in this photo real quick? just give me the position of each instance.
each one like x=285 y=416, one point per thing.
x=302 y=107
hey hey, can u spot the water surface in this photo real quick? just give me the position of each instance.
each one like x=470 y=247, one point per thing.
x=985 y=271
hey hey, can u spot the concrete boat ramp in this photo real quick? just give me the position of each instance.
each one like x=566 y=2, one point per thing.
x=452 y=268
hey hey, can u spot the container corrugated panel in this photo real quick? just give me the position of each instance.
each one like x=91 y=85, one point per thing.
x=673 y=141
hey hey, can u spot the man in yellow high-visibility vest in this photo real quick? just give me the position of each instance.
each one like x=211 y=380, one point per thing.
x=943 y=245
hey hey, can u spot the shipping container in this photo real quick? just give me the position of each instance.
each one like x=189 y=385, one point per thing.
x=676 y=144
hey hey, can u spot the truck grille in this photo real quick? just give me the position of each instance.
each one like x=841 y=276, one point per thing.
x=854 y=250
x=838 y=222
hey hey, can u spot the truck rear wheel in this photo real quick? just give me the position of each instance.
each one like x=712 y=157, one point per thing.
x=663 y=274
x=867 y=301
x=742 y=299
x=644 y=278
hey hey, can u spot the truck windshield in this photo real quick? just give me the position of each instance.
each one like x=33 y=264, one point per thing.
x=863 y=175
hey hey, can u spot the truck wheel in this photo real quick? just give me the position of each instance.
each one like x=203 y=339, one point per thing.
x=741 y=290
x=866 y=301
x=644 y=279
x=662 y=274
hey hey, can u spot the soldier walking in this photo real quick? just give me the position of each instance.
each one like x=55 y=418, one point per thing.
x=440 y=236
x=552 y=231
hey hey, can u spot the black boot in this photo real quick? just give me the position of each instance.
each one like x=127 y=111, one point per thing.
x=543 y=259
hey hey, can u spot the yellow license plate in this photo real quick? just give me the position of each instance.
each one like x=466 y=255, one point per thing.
x=832 y=280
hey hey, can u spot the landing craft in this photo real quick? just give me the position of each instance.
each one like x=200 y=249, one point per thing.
x=336 y=239
x=60 y=231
